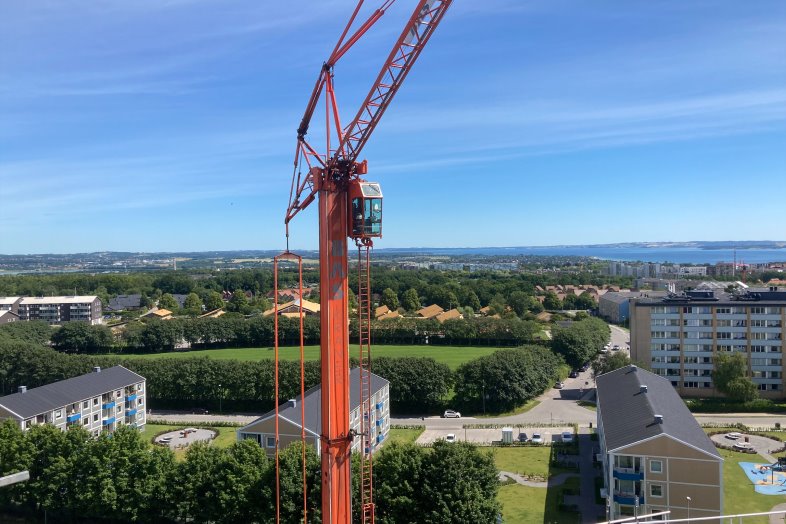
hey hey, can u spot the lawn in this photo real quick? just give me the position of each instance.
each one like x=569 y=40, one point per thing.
x=404 y=435
x=526 y=505
x=453 y=356
x=525 y=460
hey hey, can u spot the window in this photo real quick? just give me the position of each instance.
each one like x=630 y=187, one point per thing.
x=59 y=414
x=86 y=421
x=656 y=490
x=271 y=442
x=95 y=401
x=723 y=310
x=85 y=404
x=119 y=409
x=118 y=393
x=656 y=466
x=95 y=417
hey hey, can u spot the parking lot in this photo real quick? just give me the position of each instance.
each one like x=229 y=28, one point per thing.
x=487 y=436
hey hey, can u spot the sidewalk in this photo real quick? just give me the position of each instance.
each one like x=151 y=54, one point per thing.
x=590 y=511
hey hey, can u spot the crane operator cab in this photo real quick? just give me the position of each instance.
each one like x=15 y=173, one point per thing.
x=365 y=209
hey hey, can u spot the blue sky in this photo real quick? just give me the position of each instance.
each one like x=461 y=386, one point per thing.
x=159 y=125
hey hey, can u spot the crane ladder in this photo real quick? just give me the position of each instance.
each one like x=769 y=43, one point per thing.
x=366 y=424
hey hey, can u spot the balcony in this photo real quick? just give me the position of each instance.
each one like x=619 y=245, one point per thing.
x=627 y=499
x=627 y=474
x=379 y=405
x=108 y=421
x=73 y=417
x=131 y=412
x=131 y=397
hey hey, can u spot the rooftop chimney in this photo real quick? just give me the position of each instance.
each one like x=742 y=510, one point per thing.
x=97 y=369
x=658 y=419
x=642 y=389
x=22 y=389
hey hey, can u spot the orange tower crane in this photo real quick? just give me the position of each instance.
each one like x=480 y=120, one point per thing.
x=349 y=207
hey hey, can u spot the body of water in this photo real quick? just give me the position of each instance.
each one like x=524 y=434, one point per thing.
x=675 y=255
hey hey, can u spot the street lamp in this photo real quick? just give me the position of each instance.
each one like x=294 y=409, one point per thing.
x=219 y=398
x=688 y=499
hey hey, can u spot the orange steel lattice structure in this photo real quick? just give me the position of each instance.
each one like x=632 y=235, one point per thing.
x=349 y=207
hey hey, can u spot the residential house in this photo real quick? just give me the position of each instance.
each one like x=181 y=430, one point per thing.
x=655 y=455
x=263 y=432
x=100 y=402
x=160 y=313
x=429 y=311
x=451 y=314
x=292 y=309
x=125 y=303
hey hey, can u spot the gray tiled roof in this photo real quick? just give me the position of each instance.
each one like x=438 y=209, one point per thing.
x=58 y=394
x=628 y=415
x=121 y=302
x=313 y=402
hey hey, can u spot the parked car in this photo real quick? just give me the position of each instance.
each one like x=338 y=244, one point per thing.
x=616 y=347
x=449 y=413
x=523 y=437
x=733 y=436
x=451 y=437
x=743 y=446
x=567 y=436
x=537 y=438
x=586 y=366
x=559 y=385
x=574 y=374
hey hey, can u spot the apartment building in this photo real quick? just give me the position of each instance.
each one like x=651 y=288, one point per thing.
x=57 y=310
x=100 y=402
x=263 y=431
x=10 y=304
x=679 y=336
x=615 y=306
x=655 y=455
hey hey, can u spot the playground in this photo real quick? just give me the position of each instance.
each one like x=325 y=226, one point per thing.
x=767 y=479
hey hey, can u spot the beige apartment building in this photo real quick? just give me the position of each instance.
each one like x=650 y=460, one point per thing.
x=679 y=335
x=263 y=429
x=655 y=455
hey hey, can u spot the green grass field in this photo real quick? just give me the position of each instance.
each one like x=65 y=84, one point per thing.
x=404 y=435
x=738 y=494
x=453 y=356
x=226 y=435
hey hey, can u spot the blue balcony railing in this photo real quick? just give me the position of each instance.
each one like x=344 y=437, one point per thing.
x=131 y=397
x=130 y=412
x=108 y=405
x=628 y=474
x=73 y=418
x=628 y=499
x=108 y=421
x=379 y=405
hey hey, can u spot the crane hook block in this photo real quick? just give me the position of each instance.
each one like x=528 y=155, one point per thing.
x=365 y=210
x=361 y=168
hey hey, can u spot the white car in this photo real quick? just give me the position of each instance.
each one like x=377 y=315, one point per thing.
x=743 y=446
x=449 y=413
x=451 y=438
x=567 y=436
x=733 y=436
x=537 y=438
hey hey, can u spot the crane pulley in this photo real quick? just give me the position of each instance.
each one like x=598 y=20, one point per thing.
x=349 y=207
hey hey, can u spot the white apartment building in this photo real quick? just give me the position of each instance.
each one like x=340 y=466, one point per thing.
x=100 y=402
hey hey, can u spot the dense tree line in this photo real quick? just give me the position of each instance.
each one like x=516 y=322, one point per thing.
x=120 y=479
x=581 y=341
x=506 y=379
x=418 y=384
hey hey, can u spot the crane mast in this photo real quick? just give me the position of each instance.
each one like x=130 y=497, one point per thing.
x=349 y=207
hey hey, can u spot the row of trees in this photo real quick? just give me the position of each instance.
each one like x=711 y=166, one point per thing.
x=236 y=331
x=418 y=384
x=120 y=479
x=581 y=341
